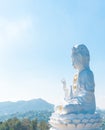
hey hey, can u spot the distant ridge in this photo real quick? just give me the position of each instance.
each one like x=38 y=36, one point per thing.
x=24 y=106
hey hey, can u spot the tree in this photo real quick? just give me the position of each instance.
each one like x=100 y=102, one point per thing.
x=43 y=125
x=34 y=124
x=26 y=123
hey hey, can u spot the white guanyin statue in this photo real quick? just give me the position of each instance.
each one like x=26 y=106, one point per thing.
x=78 y=112
x=80 y=98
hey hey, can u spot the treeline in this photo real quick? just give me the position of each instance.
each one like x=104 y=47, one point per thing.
x=24 y=124
x=40 y=115
x=103 y=124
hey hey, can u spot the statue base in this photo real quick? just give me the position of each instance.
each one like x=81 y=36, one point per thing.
x=75 y=121
x=78 y=129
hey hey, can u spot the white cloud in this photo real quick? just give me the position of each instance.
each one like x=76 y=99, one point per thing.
x=13 y=30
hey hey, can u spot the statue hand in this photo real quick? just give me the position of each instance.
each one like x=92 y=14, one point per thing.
x=64 y=83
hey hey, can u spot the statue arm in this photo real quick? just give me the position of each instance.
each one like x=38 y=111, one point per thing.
x=64 y=85
x=67 y=91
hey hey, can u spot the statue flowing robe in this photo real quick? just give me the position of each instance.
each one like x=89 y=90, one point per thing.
x=82 y=99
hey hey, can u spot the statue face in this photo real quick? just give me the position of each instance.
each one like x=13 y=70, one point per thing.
x=77 y=62
x=80 y=57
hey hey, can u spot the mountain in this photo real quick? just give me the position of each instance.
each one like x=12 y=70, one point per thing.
x=24 y=106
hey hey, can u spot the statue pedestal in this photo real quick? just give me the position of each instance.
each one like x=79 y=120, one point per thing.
x=77 y=129
x=75 y=122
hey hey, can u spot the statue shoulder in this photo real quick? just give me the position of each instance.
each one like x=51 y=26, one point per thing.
x=86 y=78
x=86 y=73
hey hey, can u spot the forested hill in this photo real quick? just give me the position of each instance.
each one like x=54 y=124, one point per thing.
x=24 y=106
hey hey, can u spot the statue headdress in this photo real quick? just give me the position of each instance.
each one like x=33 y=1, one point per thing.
x=83 y=51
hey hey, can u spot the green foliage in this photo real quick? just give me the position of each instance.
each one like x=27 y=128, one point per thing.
x=40 y=115
x=34 y=124
x=24 y=124
x=43 y=126
x=103 y=124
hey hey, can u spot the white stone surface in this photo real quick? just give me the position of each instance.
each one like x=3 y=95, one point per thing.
x=77 y=129
x=72 y=121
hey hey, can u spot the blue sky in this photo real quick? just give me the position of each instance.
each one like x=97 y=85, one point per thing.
x=36 y=37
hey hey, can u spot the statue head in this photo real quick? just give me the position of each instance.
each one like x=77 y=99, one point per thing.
x=80 y=56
